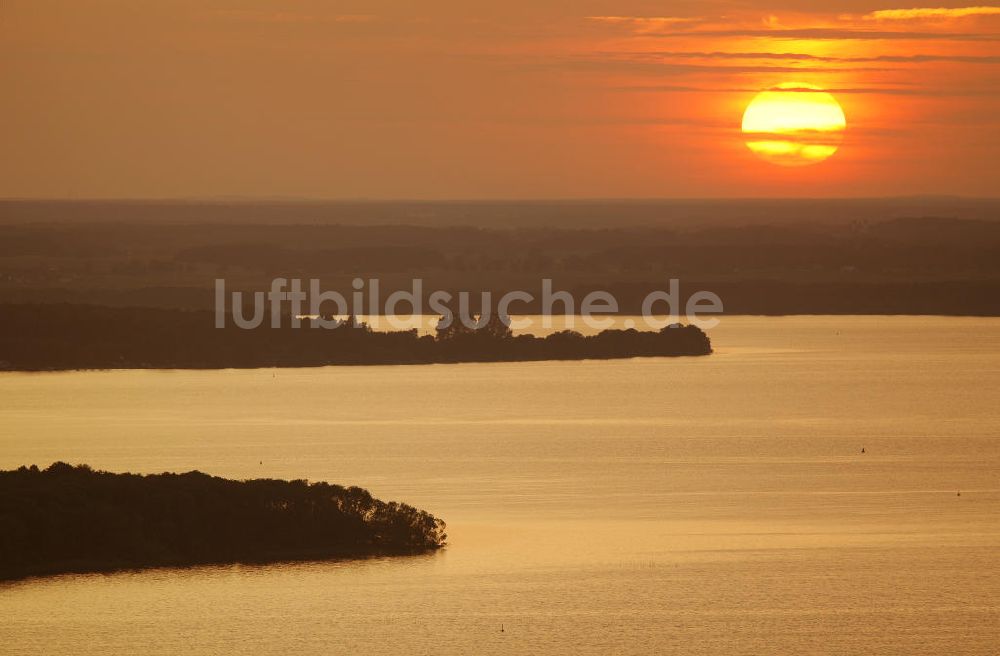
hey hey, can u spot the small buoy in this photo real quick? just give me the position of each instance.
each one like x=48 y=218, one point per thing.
x=501 y=628
x=862 y=449
x=959 y=494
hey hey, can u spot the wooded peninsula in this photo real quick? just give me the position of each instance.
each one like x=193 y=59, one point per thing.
x=62 y=337
x=73 y=519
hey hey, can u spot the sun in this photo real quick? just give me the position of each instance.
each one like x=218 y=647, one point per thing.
x=794 y=124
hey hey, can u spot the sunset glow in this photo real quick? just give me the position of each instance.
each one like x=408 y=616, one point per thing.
x=524 y=100
x=794 y=124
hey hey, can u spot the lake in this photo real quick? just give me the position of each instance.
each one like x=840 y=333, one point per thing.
x=711 y=505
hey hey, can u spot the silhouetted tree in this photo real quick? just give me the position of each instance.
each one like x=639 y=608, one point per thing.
x=498 y=327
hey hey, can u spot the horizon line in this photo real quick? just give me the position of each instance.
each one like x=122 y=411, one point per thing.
x=482 y=200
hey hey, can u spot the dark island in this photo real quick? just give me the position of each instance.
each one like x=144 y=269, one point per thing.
x=62 y=336
x=74 y=519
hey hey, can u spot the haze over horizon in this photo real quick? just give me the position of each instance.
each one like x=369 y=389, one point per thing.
x=277 y=198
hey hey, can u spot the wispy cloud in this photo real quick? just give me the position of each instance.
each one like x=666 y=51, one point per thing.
x=640 y=63
x=645 y=20
x=844 y=27
x=649 y=24
x=932 y=13
x=799 y=56
x=891 y=91
x=833 y=33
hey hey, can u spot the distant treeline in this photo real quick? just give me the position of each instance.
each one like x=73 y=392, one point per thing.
x=810 y=257
x=74 y=519
x=48 y=337
x=587 y=213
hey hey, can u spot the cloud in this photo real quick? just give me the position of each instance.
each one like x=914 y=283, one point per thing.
x=645 y=20
x=927 y=12
x=642 y=64
x=831 y=33
x=798 y=56
x=647 y=24
x=847 y=27
x=918 y=59
x=891 y=91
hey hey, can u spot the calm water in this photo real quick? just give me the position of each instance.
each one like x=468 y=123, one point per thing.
x=714 y=505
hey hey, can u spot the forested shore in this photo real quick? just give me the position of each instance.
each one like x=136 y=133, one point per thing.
x=73 y=519
x=67 y=337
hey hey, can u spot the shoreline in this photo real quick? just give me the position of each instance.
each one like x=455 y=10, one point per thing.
x=55 y=370
x=73 y=569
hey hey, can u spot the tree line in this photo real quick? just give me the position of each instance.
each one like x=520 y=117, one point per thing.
x=62 y=336
x=73 y=519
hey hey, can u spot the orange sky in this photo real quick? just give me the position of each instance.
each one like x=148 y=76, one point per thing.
x=459 y=99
